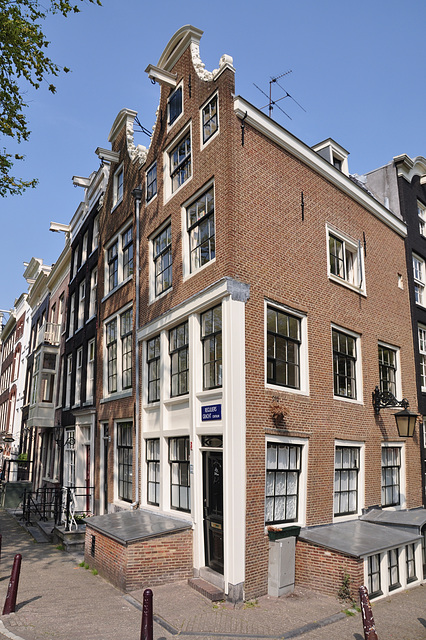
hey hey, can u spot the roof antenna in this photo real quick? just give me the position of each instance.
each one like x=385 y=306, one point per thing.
x=273 y=103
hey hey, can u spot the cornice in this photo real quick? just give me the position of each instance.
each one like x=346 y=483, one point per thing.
x=407 y=167
x=126 y=118
x=297 y=148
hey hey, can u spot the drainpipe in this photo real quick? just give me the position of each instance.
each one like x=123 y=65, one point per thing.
x=137 y=195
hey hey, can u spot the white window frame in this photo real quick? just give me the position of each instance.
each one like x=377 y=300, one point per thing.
x=186 y=245
x=167 y=178
x=78 y=372
x=419 y=280
x=118 y=186
x=358 y=365
x=95 y=233
x=353 y=248
x=178 y=117
x=152 y=275
x=421 y=334
x=421 y=212
x=90 y=375
x=81 y=303
x=84 y=248
x=68 y=382
x=148 y=171
x=120 y=392
x=120 y=279
x=303 y=443
x=93 y=292
x=204 y=143
x=117 y=500
x=72 y=316
x=303 y=349
x=397 y=351
x=402 y=475
x=361 y=479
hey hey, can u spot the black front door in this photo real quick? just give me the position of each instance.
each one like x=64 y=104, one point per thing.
x=213 y=509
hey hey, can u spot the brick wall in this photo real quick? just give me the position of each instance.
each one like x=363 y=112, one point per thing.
x=154 y=561
x=323 y=570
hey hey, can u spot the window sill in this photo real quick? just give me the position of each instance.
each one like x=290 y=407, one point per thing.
x=117 y=396
x=153 y=299
x=170 y=195
x=117 y=288
x=347 y=284
x=183 y=399
x=190 y=274
x=117 y=204
x=276 y=387
x=349 y=400
x=344 y=518
x=154 y=197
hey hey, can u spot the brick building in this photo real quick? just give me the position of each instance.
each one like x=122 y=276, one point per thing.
x=270 y=300
x=401 y=184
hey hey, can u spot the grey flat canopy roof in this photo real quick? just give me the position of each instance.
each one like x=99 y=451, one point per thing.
x=130 y=526
x=402 y=518
x=357 y=538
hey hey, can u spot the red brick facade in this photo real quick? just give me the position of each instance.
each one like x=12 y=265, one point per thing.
x=146 y=563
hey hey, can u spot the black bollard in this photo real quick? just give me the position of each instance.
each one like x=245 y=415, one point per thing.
x=12 y=590
x=367 y=615
x=147 y=624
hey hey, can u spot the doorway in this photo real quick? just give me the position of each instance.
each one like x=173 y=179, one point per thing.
x=213 y=509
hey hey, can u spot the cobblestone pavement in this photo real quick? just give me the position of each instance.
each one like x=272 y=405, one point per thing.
x=58 y=600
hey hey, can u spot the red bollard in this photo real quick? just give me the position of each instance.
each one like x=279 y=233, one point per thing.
x=12 y=590
x=367 y=615
x=147 y=624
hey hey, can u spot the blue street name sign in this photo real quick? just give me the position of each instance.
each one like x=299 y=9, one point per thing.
x=212 y=412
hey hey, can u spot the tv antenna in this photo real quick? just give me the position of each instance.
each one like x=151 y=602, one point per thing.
x=142 y=129
x=273 y=103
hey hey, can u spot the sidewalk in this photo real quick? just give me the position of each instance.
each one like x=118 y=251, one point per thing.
x=58 y=600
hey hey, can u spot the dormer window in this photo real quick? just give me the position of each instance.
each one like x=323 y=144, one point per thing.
x=337 y=163
x=175 y=105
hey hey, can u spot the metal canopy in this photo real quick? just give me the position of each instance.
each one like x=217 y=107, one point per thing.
x=130 y=526
x=357 y=538
x=401 y=518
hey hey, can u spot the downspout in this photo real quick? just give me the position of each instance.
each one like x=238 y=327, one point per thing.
x=137 y=194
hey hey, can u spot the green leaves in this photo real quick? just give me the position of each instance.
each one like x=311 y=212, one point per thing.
x=23 y=57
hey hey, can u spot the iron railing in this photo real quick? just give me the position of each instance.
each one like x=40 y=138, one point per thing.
x=63 y=505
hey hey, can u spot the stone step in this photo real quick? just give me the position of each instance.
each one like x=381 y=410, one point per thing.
x=206 y=589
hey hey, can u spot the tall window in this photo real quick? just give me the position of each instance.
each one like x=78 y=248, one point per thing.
x=283 y=464
x=387 y=369
x=393 y=569
x=111 y=344
x=210 y=119
x=93 y=302
x=422 y=350
x=179 y=474
x=126 y=321
x=391 y=465
x=179 y=361
x=153 y=470
x=201 y=230
x=153 y=361
x=151 y=182
x=82 y=298
x=113 y=266
x=127 y=240
x=90 y=379
x=84 y=248
x=419 y=279
x=162 y=255
x=346 y=470
x=68 y=383
x=69 y=458
x=79 y=366
x=125 y=460
x=421 y=211
x=72 y=315
x=283 y=348
x=175 y=105
x=344 y=364
x=374 y=578
x=410 y=558
x=95 y=234
x=211 y=338
x=118 y=185
x=180 y=162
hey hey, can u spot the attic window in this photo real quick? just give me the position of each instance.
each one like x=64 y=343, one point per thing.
x=337 y=163
x=175 y=105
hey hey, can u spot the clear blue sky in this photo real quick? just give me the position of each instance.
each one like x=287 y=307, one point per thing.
x=358 y=69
